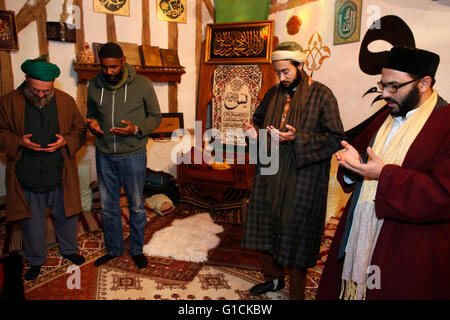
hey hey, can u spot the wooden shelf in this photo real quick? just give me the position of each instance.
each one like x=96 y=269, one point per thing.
x=156 y=74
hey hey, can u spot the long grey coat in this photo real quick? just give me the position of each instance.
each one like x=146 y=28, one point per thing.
x=316 y=140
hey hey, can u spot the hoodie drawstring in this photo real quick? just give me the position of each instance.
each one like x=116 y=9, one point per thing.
x=126 y=90
x=101 y=98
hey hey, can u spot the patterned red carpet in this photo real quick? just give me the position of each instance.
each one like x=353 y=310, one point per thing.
x=228 y=274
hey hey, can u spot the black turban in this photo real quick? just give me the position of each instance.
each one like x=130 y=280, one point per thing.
x=413 y=61
x=110 y=50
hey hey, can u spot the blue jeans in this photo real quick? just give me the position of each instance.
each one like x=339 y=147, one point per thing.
x=128 y=172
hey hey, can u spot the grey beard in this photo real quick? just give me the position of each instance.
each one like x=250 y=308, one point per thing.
x=36 y=101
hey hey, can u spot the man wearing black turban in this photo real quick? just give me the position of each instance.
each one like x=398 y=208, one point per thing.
x=392 y=241
x=41 y=130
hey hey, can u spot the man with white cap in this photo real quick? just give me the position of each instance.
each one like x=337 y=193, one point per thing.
x=286 y=213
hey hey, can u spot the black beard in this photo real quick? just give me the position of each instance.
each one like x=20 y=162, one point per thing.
x=294 y=84
x=409 y=103
x=36 y=101
x=113 y=80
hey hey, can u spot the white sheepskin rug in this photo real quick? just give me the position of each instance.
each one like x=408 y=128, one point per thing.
x=187 y=239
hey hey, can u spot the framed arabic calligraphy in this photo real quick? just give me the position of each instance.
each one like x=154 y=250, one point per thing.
x=118 y=7
x=171 y=10
x=239 y=43
x=347 y=21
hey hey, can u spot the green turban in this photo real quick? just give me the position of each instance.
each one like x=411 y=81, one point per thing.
x=40 y=69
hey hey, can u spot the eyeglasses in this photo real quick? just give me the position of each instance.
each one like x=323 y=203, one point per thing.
x=393 y=87
x=36 y=91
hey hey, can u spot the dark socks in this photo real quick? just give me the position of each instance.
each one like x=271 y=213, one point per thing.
x=140 y=260
x=32 y=273
x=104 y=259
x=75 y=259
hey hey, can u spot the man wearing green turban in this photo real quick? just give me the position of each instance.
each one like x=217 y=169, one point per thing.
x=41 y=130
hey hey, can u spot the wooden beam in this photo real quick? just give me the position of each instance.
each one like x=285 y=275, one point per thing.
x=6 y=77
x=210 y=8
x=145 y=22
x=81 y=98
x=111 y=28
x=173 y=87
x=29 y=13
x=41 y=23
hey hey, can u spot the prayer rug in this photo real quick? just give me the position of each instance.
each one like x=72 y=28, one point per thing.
x=230 y=254
x=210 y=283
x=64 y=287
x=91 y=246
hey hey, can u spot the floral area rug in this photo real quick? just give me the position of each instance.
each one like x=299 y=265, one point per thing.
x=230 y=254
x=210 y=283
x=228 y=274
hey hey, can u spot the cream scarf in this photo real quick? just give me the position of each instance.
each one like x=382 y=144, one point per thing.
x=366 y=226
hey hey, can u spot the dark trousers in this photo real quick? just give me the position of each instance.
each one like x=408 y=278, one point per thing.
x=273 y=270
x=34 y=228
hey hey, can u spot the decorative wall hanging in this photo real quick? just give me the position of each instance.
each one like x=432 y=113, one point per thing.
x=316 y=52
x=393 y=30
x=61 y=31
x=171 y=10
x=119 y=7
x=235 y=98
x=8 y=31
x=293 y=25
x=347 y=21
x=237 y=43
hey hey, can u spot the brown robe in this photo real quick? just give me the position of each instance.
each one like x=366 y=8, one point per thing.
x=71 y=125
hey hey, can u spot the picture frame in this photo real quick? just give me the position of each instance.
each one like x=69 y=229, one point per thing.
x=171 y=10
x=8 y=31
x=119 y=7
x=347 y=21
x=239 y=43
x=169 y=123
